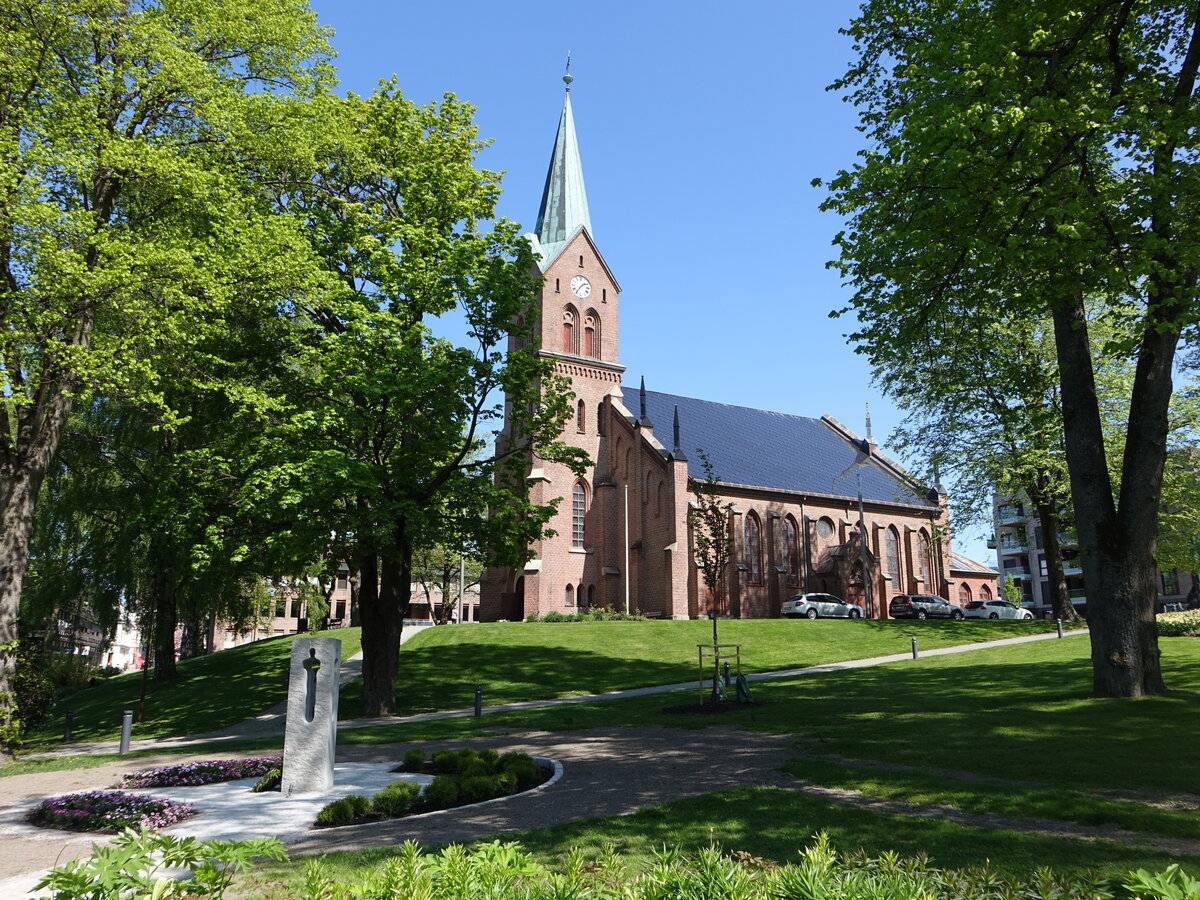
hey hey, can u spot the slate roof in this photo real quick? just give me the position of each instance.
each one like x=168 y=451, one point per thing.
x=968 y=566
x=769 y=449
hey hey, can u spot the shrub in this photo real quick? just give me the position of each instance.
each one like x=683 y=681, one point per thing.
x=210 y=771
x=477 y=788
x=522 y=768
x=476 y=767
x=414 y=761
x=343 y=811
x=506 y=783
x=395 y=799
x=491 y=756
x=445 y=763
x=109 y=811
x=442 y=792
x=269 y=782
x=1179 y=624
x=34 y=685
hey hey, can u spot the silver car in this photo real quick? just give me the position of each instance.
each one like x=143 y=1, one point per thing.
x=995 y=609
x=826 y=606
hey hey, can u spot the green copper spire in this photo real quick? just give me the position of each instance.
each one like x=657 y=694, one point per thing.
x=564 y=206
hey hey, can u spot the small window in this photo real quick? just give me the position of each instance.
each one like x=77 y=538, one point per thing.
x=603 y=295
x=556 y=287
x=600 y=419
x=581 y=418
x=581 y=261
x=569 y=596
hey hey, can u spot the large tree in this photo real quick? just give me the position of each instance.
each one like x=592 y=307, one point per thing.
x=1046 y=155
x=128 y=133
x=390 y=422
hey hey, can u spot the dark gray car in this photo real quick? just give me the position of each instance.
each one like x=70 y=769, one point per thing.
x=922 y=606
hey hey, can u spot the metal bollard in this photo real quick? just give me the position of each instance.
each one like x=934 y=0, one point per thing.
x=728 y=682
x=914 y=648
x=1059 y=621
x=70 y=725
x=478 y=701
x=126 y=727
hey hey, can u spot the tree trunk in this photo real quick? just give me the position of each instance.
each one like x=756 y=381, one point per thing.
x=22 y=470
x=166 y=617
x=1060 y=598
x=383 y=622
x=1116 y=547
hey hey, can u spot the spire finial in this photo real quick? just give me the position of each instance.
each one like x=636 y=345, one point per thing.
x=870 y=437
x=677 y=453
x=643 y=419
x=567 y=76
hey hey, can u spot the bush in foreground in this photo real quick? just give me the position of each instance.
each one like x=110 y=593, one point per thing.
x=131 y=867
x=459 y=873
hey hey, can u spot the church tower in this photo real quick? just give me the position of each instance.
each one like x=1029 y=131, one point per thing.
x=577 y=329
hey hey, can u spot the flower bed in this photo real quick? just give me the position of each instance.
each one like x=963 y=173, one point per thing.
x=206 y=772
x=1179 y=624
x=109 y=811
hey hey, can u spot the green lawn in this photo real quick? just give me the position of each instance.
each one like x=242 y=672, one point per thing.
x=518 y=661
x=211 y=692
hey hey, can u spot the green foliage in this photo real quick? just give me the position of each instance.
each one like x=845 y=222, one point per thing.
x=269 y=782
x=414 y=760
x=522 y=768
x=442 y=792
x=34 y=685
x=134 y=866
x=477 y=788
x=395 y=799
x=594 y=614
x=343 y=811
x=1173 y=884
x=445 y=762
x=506 y=871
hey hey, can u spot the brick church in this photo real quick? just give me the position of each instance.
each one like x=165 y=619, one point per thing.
x=622 y=533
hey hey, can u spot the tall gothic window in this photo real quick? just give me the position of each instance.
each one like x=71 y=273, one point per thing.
x=923 y=560
x=569 y=320
x=600 y=418
x=578 y=515
x=964 y=594
x=892 y=545
x=791 y=551
x=985 y=593
x=591 y=335
x=754 y=549
x=580 y=418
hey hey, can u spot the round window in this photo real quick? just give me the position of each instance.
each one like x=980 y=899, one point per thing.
x=824 y=528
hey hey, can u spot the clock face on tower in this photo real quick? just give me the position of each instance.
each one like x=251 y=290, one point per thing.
x=581 y=287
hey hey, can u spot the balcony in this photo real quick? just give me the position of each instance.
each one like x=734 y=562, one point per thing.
x=1016 y=572
x=991 y=542
x=1011 y=515
x=1068 y=539
x=1014 y=543
x=1072 y=567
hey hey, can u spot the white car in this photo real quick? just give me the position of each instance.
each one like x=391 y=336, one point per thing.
x=827 y=606
x=995 y=609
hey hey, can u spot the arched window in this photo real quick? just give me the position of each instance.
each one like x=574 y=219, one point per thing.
x=923 y=566
x=591 y=334
x=580 y=418
x=964 y=594
x=891 y=540
x=658 y=500
x=579 y=515
x=570 y=317
x=569 y=596
x=600 y=419
x=791 y=551
x=985 y=592
x=753 y=549
x=591 y=596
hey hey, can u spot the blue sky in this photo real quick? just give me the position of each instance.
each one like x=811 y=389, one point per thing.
x=701 y=127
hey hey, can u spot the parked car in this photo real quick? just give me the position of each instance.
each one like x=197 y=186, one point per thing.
x=827 y=606
x=922 y=606
x=995 y=609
